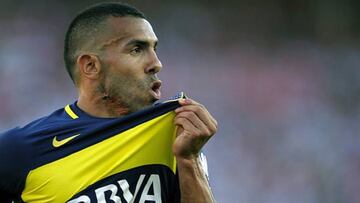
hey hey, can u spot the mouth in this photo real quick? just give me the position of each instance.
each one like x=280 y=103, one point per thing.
x=155 y=89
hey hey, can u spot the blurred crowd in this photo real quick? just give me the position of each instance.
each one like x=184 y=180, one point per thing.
x=281 y=77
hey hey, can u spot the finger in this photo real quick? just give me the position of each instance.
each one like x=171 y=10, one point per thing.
x=186 y=125
x=196 y=121
x=185 y=101
x=188 y=102
x=202 y=113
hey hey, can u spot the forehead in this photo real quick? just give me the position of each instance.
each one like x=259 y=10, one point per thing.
x=123 y=29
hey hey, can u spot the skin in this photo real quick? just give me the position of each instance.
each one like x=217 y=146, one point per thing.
x=115 y=78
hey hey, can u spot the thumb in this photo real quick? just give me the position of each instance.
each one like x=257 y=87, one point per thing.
x=179 y=130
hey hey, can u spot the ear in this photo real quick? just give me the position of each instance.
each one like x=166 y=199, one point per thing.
x=89 y=66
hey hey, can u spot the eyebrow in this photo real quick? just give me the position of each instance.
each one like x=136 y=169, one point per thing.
x=142 y=43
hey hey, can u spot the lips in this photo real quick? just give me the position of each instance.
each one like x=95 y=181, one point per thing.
x=155 y=89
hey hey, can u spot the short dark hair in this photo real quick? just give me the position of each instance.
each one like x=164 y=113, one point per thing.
x=87 y=23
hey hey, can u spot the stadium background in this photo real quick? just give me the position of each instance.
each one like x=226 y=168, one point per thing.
x=282 y=78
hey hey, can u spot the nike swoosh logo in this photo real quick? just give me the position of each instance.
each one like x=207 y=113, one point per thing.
x=59 y=143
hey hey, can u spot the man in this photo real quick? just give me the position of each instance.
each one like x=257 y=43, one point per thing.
x=112 y=144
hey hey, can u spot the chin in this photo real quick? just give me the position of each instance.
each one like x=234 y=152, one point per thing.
x=148 y=103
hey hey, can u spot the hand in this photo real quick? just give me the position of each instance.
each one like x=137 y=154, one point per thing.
x=195 y=126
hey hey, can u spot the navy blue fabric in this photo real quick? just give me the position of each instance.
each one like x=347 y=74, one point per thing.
x=29 y=147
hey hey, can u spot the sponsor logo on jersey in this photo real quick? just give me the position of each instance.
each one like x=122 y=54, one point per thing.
x=116 y=192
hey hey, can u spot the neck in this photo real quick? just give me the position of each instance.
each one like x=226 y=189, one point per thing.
x=96 y=105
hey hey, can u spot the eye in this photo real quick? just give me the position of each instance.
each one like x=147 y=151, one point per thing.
x=135 y=50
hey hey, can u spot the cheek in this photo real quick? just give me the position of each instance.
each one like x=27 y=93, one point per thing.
x=126 y=68
x=129 y=68
x=125 y=83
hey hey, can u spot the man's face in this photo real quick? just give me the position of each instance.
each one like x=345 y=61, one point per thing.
x=130 y=64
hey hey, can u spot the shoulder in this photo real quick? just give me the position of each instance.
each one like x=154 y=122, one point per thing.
x=9 y=142
x=18 y=148
x=11 y=154
x=14 y=142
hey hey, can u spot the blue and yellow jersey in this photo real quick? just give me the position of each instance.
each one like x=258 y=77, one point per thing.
x=72 y=157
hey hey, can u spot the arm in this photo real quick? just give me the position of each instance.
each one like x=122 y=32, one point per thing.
x=195 y=127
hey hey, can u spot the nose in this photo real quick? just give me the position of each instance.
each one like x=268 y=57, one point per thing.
x=154 y=65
